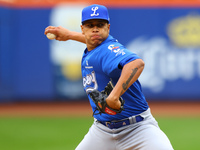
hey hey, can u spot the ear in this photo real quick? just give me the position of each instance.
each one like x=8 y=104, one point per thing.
x=108 y=27
x=82 y=29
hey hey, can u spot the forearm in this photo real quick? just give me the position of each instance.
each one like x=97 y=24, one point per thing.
x=129 y=75
x=77 y=36
x=63 y=34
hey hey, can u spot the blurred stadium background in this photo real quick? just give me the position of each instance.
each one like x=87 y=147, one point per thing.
x=40 y=79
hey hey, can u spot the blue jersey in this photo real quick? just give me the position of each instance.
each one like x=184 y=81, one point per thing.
x=105 y=63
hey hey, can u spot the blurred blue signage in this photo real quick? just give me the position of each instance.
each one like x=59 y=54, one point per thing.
x=168 y=40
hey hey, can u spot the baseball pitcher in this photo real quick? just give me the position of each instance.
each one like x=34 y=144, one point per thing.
x=122 y=117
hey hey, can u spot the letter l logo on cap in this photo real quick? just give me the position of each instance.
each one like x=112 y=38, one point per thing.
x=94 y=13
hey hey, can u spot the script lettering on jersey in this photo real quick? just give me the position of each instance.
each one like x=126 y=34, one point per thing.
x=116 y=49
x=94 y=13
x=89 y=82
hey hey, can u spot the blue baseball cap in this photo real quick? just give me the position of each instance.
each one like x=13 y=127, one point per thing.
x=95 y=12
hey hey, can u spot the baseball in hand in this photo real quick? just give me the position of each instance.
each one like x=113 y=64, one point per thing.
x=51 y=36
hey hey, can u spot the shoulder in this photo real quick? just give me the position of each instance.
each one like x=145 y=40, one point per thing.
x=111 y=44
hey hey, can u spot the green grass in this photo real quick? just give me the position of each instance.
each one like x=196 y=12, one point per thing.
x=66 y=133
x=42 y=133
x=184 y=133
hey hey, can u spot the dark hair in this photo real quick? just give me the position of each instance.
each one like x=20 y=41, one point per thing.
x=99 y=19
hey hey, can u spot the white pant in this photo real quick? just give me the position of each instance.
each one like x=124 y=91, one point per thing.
x=144 y=135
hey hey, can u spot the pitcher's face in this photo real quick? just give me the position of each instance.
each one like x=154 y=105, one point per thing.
x=95 y=31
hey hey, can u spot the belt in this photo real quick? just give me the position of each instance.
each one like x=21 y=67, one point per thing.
x=121 y=123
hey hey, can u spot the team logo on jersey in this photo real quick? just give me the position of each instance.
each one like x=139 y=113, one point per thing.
x=116 y=50
x=89 y=82
x=113 y=48
x=94 y=9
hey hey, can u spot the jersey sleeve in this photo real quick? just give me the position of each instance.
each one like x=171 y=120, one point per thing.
x=114 y=57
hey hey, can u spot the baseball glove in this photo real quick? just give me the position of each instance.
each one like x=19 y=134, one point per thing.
x=99 y=98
